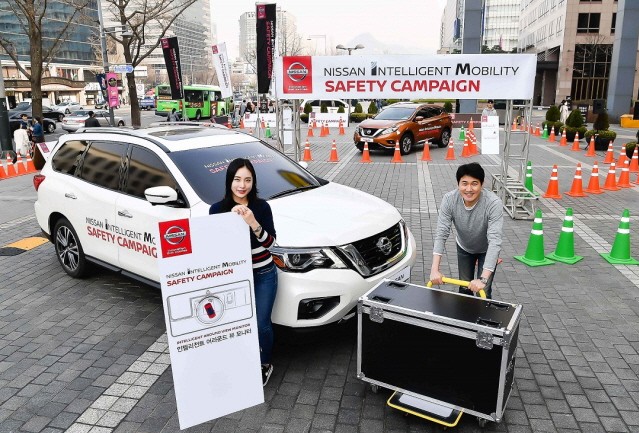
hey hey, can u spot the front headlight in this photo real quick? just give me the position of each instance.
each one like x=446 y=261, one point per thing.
x=389 y=130
x=305 y=259
x=358 y=130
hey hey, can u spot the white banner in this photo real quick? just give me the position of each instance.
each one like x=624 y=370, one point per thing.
x=446 y=76
x=490 y=135
x=331 y=118
x=269 y=119
x=209 y=308
x=223 y=69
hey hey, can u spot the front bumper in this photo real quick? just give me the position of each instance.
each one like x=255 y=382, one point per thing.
x=382 y=142
x=346 y=284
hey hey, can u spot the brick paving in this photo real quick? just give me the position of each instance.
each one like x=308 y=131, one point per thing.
x=87 y=355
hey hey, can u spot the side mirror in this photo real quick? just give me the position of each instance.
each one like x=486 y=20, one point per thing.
x=303 y=164
x=160 y=195
x=419 y=118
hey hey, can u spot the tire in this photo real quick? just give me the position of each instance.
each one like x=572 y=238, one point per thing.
x=360 y=147
x=68 y=249
x=223 y=112
x=444 y=138
x=198 y=115
x=60 y=117
x=121 y=123
x=50 y=128
x=406 y=144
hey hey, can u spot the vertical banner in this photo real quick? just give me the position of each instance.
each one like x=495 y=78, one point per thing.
x=209 y=309
x=265 y=26
x=112 y=89
x=490 y=135
x=223 y=69
x=171 y=52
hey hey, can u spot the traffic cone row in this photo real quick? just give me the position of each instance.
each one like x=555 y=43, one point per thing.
x=634 y=162
x=307 y=152
x=565 y=250
x=397 y=156
x=21 y=166
x=624 y=177
x=611 y=179
x=466 y=149
x=577 y=190
x=450 y=154
x=310 y=130
x=366 y=156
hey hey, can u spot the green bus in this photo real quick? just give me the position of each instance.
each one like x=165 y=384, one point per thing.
x=200 y=101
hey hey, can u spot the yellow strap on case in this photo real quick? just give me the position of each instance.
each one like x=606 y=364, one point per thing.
x=455 y=282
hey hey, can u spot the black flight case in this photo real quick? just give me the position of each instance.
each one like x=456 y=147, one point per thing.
x=452 y=350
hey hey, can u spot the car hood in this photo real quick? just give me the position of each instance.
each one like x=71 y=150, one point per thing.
x=379 y=124
x=330 y=215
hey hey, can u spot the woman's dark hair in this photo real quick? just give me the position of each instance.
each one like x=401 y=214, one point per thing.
x=473 y=170
x=234 y=166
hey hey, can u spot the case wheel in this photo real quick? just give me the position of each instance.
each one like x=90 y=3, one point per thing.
x=374 y=388
x=482 y=422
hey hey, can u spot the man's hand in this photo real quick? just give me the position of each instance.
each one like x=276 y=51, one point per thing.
x=476 y=285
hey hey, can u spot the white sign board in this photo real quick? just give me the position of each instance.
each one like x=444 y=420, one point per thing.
x=450 y=76
x=250 y=119
x=490 y=135
x=209 y=308
x=121 y=69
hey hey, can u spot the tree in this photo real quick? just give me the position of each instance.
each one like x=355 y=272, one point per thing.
x=148 y=22
x=45 y=38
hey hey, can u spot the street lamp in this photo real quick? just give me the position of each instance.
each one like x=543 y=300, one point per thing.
x=316 y=37
x=350 y=49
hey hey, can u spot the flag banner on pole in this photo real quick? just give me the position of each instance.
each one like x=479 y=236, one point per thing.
x=171 y=53
x=223 y=69
x=112 y=89
x=265 y=26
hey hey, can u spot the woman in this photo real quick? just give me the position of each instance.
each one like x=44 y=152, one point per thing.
x=241 y=197
x=563 y=111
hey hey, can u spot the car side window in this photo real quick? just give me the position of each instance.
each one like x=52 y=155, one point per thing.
x=67 y=158
x=146 y=170
x=102 y=163
x=424 y=113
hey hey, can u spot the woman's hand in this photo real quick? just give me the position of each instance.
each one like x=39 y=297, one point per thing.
x=436 y=277
x=246 y=214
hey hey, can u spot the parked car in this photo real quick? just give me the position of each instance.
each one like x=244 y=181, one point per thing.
x=332 y=105
x=67 y=107
x=334 y=243
x=16 y=117
x=406 y=123
x=47 y=113
x=76 y=120
x=147 y=103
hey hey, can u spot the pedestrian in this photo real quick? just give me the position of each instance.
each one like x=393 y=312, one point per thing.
x=92 y=121
x=241 y=197
x=21 y=138
x=242 y=107
x=477 y=215
x=173 y=116
x=37 y=132
x=489 y=110
x=563 y=111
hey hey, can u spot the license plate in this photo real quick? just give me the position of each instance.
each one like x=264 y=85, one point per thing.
x=367 y=140
x=403 y=275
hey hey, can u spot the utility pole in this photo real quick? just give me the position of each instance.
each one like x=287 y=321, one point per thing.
x=5 y=135
x=105 y=59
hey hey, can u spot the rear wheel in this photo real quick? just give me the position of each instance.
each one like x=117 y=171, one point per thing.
x=406 y=144
x=444 y=139
x=121 y=123
x=68 y=249
x=50 y=128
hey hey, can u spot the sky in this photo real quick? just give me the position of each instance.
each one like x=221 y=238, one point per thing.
x=393 y=22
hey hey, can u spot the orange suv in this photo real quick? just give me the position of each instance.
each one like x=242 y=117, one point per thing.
x=405 y=123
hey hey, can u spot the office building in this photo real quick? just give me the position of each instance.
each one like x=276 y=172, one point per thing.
x=285 y=27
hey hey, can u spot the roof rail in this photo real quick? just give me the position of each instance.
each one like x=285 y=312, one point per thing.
x=188 y=123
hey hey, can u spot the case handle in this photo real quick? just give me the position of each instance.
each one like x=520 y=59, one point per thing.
x=462 y=283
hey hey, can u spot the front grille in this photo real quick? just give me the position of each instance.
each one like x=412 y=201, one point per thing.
x=368 y=132
x=377 y=253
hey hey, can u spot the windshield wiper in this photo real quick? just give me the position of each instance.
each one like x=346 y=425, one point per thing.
x=293 y=191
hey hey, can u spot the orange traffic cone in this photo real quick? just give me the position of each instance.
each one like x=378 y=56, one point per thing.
x=307 y=152
x=310 y=130
x=11 y=170
x=564 y=140
x=262 y=124
x=537 y=131
x=30 y=166
x=333 y=157
x=450 y=155
x=514 y=127
x=466 y=149
x=576 y=190
x=242 y=122
x=610 y=154
x=3 y=175
x=229 y=125
x=397 y=156
x=532 y=129
x=552 y=137
x=624 y=177
x=366 y=156
x=19 y=166
x=341 y=127
x=611 y=179
x=553 y=186
x=634 y=162
x=575 y=143
x=328 y=131
x=591 y=147
x=622 y=156
x=471 y=126
x=593 y=184
x=426 y=153
x=473 y=145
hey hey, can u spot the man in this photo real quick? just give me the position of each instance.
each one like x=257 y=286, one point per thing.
x=243 y=108
x=91 y=122
x=477 y=216
x=489 y=110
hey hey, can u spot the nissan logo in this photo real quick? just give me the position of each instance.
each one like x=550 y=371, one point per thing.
x=384 y=244
x=174 y=235
x=368 y=132
x=297 y=71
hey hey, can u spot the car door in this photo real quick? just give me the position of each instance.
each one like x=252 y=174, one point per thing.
x=91 y=199
x=103 y=118
x=137 y=218
x=422 y=125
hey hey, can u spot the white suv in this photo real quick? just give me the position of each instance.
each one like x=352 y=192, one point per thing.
x=333 y=242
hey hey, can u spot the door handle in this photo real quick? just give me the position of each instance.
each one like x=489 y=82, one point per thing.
x=124 y=213
x=70 y=195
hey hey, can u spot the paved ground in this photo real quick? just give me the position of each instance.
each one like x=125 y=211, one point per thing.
x=90 y=355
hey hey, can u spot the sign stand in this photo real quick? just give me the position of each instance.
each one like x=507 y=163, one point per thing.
x=509 y=183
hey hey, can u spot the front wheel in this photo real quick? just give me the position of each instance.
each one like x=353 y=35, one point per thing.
x=68 y=249
x=50 y=128
x=444 y=139
x=406 y=144
x=121 y=123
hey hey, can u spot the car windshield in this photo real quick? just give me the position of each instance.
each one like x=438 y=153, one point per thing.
x=395 y=113
x=205 y=169
x=22 y=106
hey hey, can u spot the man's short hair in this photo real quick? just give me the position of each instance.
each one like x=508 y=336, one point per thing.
x=490 y=101
x=91 y=113
x=473 y=170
